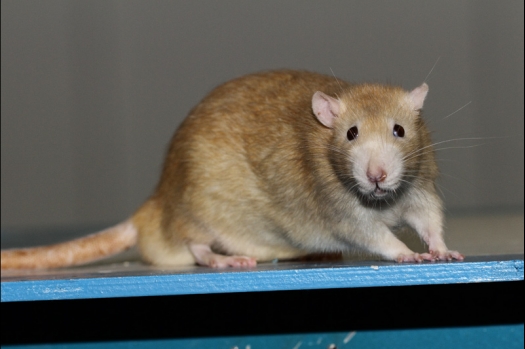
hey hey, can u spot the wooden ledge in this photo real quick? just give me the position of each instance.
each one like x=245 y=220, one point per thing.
x=136 y=279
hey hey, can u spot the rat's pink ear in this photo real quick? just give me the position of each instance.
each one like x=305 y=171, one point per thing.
x=325 y=108
x=417 y=96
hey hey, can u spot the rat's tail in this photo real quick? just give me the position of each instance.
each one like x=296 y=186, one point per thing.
x=79 y=251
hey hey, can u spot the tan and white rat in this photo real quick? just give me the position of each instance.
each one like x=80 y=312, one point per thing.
x=279 y=165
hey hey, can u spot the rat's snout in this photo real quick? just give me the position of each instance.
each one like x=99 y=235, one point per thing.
x=377 y=166
x=376 y=175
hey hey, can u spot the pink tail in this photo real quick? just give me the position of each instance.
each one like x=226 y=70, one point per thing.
x=79 y=251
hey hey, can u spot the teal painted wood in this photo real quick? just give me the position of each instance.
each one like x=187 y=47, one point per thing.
x=501 y=336
x=143 y=280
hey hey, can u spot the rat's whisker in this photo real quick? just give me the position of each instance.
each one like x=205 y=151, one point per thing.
x=449 y=115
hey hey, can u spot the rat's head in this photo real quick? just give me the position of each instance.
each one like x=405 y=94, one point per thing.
x=377 y=139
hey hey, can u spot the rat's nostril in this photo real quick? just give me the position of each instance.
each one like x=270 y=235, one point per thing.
x=376 y=176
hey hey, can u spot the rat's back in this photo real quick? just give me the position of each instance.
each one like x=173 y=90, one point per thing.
x=238 y=167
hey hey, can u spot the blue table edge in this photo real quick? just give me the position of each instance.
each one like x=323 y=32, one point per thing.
x=281 y=277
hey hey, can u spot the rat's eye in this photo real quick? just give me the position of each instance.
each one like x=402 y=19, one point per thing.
x=399 y=131
x=352 y=133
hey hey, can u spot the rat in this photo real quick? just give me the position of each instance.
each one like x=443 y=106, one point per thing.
x=280 y=165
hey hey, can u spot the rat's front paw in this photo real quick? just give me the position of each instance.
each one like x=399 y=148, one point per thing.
x=415 y=257
x=446 y=255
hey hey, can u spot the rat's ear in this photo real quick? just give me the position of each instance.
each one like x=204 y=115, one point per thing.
x=417 y=96
x=325 y=108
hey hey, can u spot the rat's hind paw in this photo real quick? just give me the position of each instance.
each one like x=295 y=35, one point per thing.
x=219 y=261
x=205 y=256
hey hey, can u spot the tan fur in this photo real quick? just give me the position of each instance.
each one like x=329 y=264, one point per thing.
x=252 y=172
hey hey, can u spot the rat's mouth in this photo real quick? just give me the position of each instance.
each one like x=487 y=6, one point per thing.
x=379 y=193
x=374 y=196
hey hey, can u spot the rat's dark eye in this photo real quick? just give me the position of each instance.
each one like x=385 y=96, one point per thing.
x=399 y=131
x=352 y=133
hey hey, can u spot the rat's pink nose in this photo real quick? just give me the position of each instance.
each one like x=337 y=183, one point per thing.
x=376 y=176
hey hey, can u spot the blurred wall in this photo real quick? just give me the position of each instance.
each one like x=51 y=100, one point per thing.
x=93 y=90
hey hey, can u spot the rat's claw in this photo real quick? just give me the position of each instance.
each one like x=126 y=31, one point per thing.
x=427 y=257
x=456 y=255
x=447 y=255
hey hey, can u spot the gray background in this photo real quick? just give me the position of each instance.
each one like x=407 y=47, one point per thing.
x=93 y=90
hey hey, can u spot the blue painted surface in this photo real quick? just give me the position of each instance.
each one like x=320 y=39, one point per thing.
x=502 y=336
x=149 y=281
